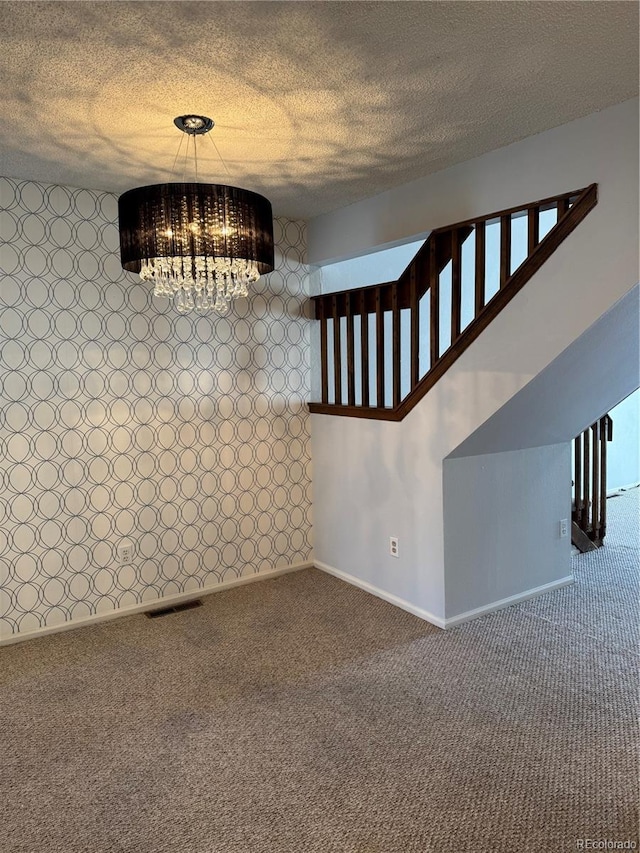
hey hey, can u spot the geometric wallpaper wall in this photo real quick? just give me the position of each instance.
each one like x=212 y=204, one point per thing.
x=121 y=419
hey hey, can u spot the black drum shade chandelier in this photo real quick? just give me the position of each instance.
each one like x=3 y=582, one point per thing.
x=200 y=244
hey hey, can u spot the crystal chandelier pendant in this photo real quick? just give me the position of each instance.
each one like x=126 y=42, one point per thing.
x=210 y=286
x=201 y=245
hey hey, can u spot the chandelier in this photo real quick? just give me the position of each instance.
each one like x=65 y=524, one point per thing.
x=201 y=245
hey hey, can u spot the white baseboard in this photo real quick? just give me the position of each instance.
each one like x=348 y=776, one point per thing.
x=620 y=489
x=168 y=601
x=380 y=593
x=154 y=604
x=451 y=621
x=439 y=622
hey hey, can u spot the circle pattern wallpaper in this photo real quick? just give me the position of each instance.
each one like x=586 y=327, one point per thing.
x=124 y=422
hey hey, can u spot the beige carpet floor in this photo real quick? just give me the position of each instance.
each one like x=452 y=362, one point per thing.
x=302 y=715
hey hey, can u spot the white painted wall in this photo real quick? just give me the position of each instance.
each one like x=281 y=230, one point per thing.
x=375 y=479
x=558 y=160
x=374 y=268
x=379 y=479
x=496 y=547
x=623 y=453
x=585 y=381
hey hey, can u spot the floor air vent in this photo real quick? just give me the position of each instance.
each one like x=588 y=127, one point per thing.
x=178 y=608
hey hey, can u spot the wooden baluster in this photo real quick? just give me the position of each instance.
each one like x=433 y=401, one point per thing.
x=337 y=353
x=324 y=355
x=606 y=431
x=586 y=461
x=434 y=287
x=577 y=486
x=443 y=245
x=415 y=326
x=395 y=326
x=505 y=249
x=595 y=484
x=364 y=347
x=456 y=285
x=379 y=350
x=533 y=228
x=480 y=229
x=351 y=376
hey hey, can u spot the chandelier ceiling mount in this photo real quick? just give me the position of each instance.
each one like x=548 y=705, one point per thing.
x=193 y=124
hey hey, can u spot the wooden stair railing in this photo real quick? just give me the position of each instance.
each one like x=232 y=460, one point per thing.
x=363 y=373
x=589 y=506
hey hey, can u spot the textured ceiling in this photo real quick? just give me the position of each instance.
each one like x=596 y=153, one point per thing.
x=316 y=105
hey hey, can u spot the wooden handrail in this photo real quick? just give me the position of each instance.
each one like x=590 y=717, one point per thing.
x=442 y=248
x=521 y=210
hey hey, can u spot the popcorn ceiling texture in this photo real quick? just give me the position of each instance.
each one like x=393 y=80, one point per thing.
x=317 y=104
x=120 y=418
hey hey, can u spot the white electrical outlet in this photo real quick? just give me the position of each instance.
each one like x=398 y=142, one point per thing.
x=564 y=528
x=393 y=546
x=125 y=552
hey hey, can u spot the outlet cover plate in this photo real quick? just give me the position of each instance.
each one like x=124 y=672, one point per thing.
x=125 y=553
